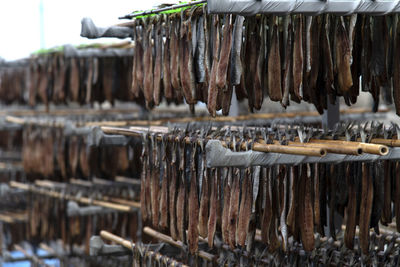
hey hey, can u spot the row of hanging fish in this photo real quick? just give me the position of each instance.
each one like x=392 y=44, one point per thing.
x=47 y=152
x=55 y=78
x=289 y=204
x=48 y=220
x=200 y=57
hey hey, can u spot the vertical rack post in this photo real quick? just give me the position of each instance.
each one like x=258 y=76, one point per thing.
x=331 y=115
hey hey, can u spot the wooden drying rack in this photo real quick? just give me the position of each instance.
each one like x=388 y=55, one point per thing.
x=130 y=245
x=84 y=200
x=318 y=148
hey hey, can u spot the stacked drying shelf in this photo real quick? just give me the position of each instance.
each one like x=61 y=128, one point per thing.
x=169 y=189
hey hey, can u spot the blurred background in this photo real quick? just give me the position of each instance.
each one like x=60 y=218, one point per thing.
x=29 y=25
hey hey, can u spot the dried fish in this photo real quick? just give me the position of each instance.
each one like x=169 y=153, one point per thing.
x=365 y=208
x=274 y=66
x=245 y=209
x=307 y=227
x=148 y=81
x=351 y=208
x=212 y=219
x=168 y=92
x=212 y=87
x=158 y=43
x=193 y=231
x=287 y=81
x=226 y=206
x=187 y=75
x=234 y=207
x=342 y=59
x=297 y=60
x=225 y=53
x=387 y=202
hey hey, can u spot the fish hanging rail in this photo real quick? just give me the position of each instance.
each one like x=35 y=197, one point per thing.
x=83 y=200
x=160 y=10
x=308 y=7
x=133 y=247
x=284 y=149
x=219 y=156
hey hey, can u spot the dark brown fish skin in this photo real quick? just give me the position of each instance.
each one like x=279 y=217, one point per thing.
x=365 y=208
x=356 y=55
x=307 y=226
x=174 y=64
x=316 y=205
x=212 y=219
x=290 y=219
x=158 y=42
x=137 y=53
x=168 y=92
x=245 y=209
x=260 y=66
x=396 y=71
x=226 y=206
x=274 y=242
x=342 y=60
x=351 y=210
x=155 y=194
x=298 y=61
x=164 y=198
x=387 y=202
x=327 y=62
x=267 y=208
x=148 y=82
x=366 y=54
x=173 y=197
x=234 y=207
x=212 y=87
x=204 y=205
x=274 y=67
x=187 y=75
x=226 y=47
x=193 y=230
x=397 y=195
x=180 y=210
x=148 y=190
x=143 y=195
x=227 y=95
x=73 y=91
x=287 y=81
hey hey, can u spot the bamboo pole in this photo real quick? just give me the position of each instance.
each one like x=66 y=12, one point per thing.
x=153 y=233
x=32 y=257
x=307 y=151
x=129 y=245
x=330 y=148
x=376 y=149
x=83 y=200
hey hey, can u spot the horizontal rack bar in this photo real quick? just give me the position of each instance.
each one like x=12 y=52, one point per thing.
x=308 y=7
x=219 y=156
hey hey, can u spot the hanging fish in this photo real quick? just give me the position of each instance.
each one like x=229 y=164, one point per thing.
x=287 y=81
x=212 y=87
x=298 y=62
x=274 y=65
x=225 y=53
x=365 y=208
x=234 y=207
x=193 y=212
x=148 y=82
x=157 y=74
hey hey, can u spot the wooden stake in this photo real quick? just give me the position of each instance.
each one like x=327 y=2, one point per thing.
x=129 y=245
x=153 y=233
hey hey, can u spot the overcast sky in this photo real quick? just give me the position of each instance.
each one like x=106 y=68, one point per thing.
x=20 y=22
